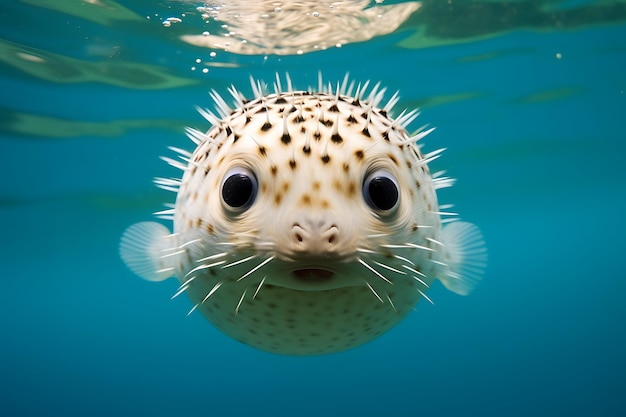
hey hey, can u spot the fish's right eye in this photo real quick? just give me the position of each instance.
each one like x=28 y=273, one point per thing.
x=239 y=189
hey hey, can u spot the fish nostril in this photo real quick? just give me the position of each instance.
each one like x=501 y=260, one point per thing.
x=297 y=232
x=332 y=233
x=315 y=235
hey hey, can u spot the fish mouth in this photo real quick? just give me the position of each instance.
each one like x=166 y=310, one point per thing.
x=313 y=275
x=322 y=275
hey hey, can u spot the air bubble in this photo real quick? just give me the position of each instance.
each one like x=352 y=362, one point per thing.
x=316 y=14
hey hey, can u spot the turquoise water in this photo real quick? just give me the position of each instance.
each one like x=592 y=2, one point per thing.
x=528 y=97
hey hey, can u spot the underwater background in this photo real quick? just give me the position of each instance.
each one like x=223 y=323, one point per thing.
x=527 y=96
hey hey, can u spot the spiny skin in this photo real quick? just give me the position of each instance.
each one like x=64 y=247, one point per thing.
x=310 y=265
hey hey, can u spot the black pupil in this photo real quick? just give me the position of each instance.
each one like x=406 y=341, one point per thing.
x=383 y=193
x=237 y=190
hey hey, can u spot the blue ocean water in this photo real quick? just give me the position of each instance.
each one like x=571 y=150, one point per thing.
x=528 y=97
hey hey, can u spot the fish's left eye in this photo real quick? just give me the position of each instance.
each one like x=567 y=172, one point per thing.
x=381 y=192
x=239 y=189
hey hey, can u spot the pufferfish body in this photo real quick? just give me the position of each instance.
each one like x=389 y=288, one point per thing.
x=306 y=222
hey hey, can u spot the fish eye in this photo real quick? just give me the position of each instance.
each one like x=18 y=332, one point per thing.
x=380 y=190
x=239 y=189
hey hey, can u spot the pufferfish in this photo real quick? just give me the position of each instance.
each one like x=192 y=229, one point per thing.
x=306 y=222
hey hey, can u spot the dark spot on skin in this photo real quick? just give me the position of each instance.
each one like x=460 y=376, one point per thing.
x=333 y=108
x=356 y=102
x=248 y=118
x=338 y=186
x=327 y=122
x=351 y=119
x=292 y=163
x=229 y=131
x=364 y=115
x=393 y=159
x=235 y=137
x=308 y=109
x=417 y=184
x=262 y=150
x=273 y=169
x=414 y=227
x=325 y=159
x=266 y=126
x=366 y=132
x=280 y=100
x=298 y=119
x=277 y=199
x=316 y=185
x=285 y=138
x=409 y=165
x=303 y=129
x=306 y=149
x=306 y=200
x=386 y=135
x=359 y=154
x=292 y=109
x=325 y=205
x=336 y=138
x=317 y=135
x=383 y=113
x=346 y=167
x=261 y=110
x=351 y=189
